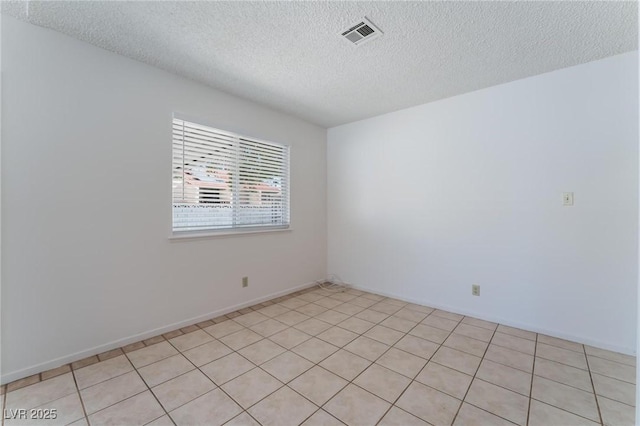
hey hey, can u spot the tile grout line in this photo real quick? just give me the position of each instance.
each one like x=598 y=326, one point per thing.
x=541 y=357
x=84 y=410
x=318 y=363
x=607 y=359
x=595 y=396
x=152 y=394
x=565 y=410
x=474 y=376
x=571 y=386
x=533 y=372
x=563 y=363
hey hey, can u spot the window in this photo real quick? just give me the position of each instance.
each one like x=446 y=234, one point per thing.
x=224 y=181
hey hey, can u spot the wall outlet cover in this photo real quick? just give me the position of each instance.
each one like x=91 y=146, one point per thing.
x=567 y=198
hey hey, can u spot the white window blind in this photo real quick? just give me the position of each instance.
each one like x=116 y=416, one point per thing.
x=222 y=180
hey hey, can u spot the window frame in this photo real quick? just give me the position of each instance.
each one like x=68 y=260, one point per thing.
x=231 y=230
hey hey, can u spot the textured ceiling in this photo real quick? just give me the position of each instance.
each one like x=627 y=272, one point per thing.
x=289 y=55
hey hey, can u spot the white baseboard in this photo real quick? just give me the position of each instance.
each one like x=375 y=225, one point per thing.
x=504 y=321
x=54 y=363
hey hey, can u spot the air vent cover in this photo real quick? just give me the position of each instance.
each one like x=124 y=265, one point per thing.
x=362 y=32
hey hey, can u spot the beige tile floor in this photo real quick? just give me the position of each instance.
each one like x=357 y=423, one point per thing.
x=327 y=358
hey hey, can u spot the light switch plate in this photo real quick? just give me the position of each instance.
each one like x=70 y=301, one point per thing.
x=567 y=198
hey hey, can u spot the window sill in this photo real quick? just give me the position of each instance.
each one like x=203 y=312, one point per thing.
x=186 y=235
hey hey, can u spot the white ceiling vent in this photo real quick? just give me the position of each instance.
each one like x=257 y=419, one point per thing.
x=362 y=32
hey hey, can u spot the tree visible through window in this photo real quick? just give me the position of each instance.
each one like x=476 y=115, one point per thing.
x=222 y=180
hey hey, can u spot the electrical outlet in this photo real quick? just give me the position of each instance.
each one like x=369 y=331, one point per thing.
x=475 y=290
x=245 y=281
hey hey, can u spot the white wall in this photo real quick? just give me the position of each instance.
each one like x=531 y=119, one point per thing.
x=426 y=201
x=86 y=194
